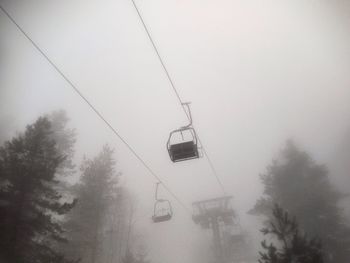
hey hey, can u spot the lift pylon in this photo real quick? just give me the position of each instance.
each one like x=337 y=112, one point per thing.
x=212 y=213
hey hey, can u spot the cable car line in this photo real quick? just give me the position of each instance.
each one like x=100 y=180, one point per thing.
x=78 y=92
x=185 y=149
x=158 y=54
x=161 y=212
x=214 y=171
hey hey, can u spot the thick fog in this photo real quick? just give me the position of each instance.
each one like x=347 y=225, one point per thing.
x=257 y=73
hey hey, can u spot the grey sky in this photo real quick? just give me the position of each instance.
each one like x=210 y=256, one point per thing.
x=256 y=72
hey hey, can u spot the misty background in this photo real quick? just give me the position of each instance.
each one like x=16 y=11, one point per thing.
x=257 y=73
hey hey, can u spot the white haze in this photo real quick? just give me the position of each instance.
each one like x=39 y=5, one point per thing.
x=256 y=72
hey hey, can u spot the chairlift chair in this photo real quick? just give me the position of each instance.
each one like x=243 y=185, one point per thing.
x=162 y=214
x=162 y=208
x=186 y=149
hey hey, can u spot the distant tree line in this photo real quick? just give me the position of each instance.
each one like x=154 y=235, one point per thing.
x=44 y=217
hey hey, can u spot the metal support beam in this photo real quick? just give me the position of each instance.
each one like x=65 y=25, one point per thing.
x=209 y=214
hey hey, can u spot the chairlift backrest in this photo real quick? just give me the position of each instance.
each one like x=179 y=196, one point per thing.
x=185 y=149
x=163 y=213
x=162 y=210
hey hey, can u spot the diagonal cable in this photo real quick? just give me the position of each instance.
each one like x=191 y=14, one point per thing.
x=212 y=167
x=78 y=92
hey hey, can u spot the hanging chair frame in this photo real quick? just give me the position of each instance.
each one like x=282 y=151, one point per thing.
x=186 y=150
x=161 y=218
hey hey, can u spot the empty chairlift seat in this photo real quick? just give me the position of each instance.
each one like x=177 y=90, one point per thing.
x=162 y=211
x=186 y=148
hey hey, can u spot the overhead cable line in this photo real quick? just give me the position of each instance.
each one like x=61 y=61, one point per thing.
x=71 y=84
x=214 y=171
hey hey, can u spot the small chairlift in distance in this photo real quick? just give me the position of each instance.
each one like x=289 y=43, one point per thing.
x=162 y=209
x=182 y=144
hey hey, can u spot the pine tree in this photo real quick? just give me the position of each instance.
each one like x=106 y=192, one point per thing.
x=302 y=187
x=294 y=246
x=119 y=226
x=65 y=139
x=96 y=193
x=29 y=202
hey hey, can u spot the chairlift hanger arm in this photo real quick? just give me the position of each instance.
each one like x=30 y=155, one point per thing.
x=187 y=105
x=175 y=90
x=156 y=193
x=170 y=208
x=182 y=129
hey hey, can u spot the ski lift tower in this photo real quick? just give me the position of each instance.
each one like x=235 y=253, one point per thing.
x=210 y=214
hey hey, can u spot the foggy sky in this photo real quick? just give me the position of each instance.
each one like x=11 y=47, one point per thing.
x=256 y=72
